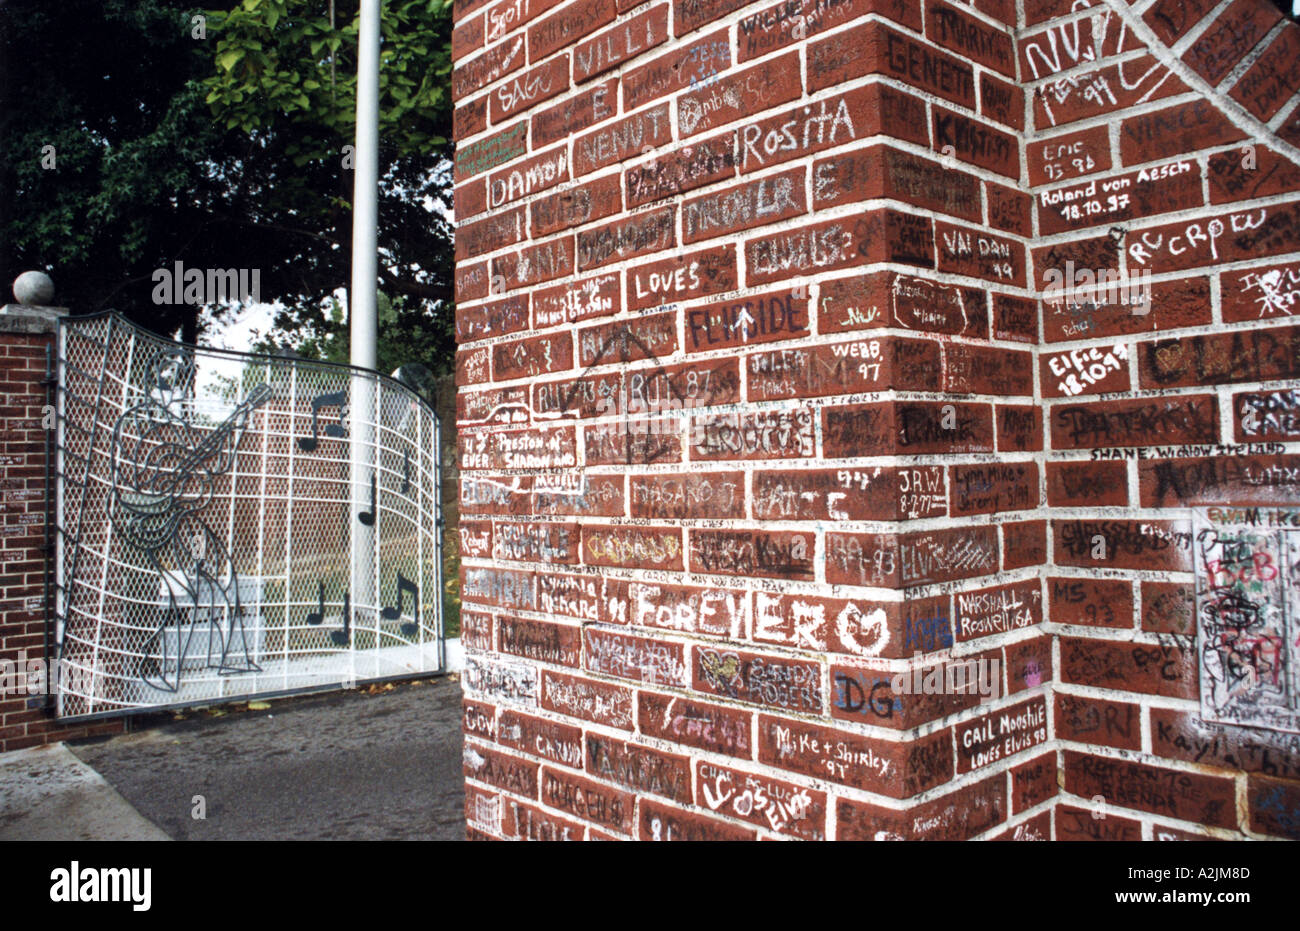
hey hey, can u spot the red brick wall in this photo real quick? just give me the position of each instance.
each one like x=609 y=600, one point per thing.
x=755 y=407
x=25 y=720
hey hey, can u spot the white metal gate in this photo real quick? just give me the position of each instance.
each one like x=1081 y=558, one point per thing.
x=233 y=525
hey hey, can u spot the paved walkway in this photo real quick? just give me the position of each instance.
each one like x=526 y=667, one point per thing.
x=46 y=793
x=345 y=765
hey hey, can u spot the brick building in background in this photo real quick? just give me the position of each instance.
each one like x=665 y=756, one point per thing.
x=770 y=394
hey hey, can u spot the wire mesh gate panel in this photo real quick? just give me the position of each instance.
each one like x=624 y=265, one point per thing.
x=233 y=525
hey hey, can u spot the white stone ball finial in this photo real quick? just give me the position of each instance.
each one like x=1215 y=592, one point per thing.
x=34 y=289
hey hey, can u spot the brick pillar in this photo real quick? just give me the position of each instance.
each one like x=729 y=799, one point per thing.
x=766 y=429
x=27 y=336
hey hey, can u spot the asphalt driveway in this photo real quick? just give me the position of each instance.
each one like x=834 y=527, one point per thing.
x=369 y=764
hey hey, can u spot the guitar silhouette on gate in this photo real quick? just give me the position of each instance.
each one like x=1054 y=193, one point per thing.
x=164 y=474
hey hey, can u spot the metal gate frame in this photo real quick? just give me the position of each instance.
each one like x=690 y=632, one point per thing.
x=149 y=465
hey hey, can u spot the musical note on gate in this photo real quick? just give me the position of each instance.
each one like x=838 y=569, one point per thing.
x=406 y=471
x=344 y=637
x=335 y=399
x=368 y=517
x=391 y=614
x=317 y=616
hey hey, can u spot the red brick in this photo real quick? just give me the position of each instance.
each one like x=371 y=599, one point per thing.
x=683 y=277
x=753 y=553
x=980 y=254
x=535 y=264
x=719 y=728
x=971 y=38
x=701 y=495
x=1091 y=602
x=560 y=743
x=1220 y=358
x=532 y=356
x=1247 y=172
x=916 y=558
x=626 y=341
x=1272 y=79
x=1105 y=90
x=597 y=296
x=1172 y=19
x=745 y=321
x=668 y=822
x=627 y=238
x=877 y=493
x=874 y=48
x=906 y=428
x=1175 y=130
x=639 y=769
x=1010 y=210
x=1092 y=314
x=1145 y=422
x=540 y=640
x=1002 y=101
x=598 y=702
x=622 y=139
x=1107 y=201
x=524 y=179
x=640 y=659
x=527 y=822
x=1033 y=782
x=768 y=803
x=1168 y=607
x=527 y=90
x=565 y=28
x=639 y=442
x=491 y=233
x=994 y=737
x=976 y=142
x=879 y=171
x=776 y=26
x=495 y=319
x=842 y=368
x=1096 y=824
x=739 y=94
x=1067 y=156
x=676 y=69
x=588 y=800
x=1256 y=480
x=1168 y=670
x=960 y=815
x=501 y=770
x=592 y=106
x=769 y=200
x=637 y=547
x=1174 y=793
x=1179 y=735
x=1099 y=721
x=763 y=679
x=621 y=42
x=1002 y=608
x=1087 y=484
x=498 y=61
x=1234 y=32
x=1274 y=807
x=466 y=37
x=682 y=169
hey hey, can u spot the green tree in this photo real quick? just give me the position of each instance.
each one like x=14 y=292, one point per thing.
x=219 y=142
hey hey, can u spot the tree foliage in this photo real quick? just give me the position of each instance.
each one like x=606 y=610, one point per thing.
x=219 y=143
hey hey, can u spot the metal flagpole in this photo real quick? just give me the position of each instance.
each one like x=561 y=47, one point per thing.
x=363 y=315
